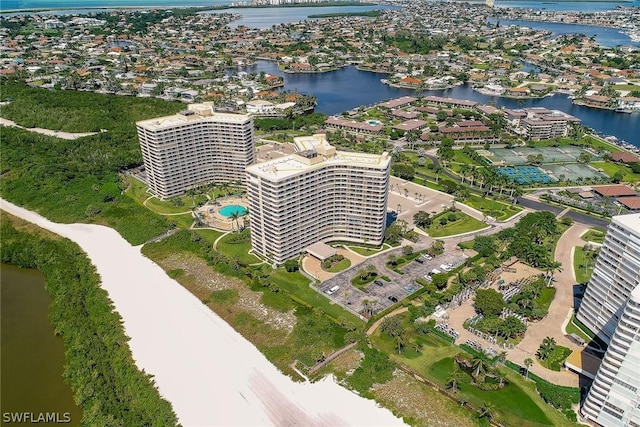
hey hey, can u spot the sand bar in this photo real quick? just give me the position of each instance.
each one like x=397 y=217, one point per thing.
x=209 y=372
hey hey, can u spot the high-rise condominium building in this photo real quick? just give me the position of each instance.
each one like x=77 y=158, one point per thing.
x=611 y=308
x=615 y=275
x=316 y=194
x=194 y=147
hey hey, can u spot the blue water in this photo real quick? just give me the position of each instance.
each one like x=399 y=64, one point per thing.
x=608 y=37
x=229 y=210
x=566 y=5
x=266 y=17
x=348 y=88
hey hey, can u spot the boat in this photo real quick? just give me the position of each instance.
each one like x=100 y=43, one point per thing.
x=623 y=110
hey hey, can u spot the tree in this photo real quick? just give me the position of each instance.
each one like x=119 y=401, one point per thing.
x=440 y=280
x=485 y=245
x=487 y=411
x=291 y=265
x=528 y=363
x=407 y=250
x=489 y=302
x=454 y=379
x=480 y=363
x=553 y=267
x=618 y=176
x=546 y=348
x=422 y=219
x=392 y=326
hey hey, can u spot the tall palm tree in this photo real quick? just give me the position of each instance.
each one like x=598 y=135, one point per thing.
x=528 y=363
x=454 y=379
x=480 y=363
x=552 y=268
x=234 y=219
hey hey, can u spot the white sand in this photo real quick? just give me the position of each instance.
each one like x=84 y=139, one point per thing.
x=209 y=372
x=59 y=134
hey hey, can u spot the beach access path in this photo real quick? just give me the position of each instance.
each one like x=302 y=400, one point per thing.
x=210 y=373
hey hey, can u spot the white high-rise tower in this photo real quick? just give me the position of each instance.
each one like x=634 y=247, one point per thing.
x=611 y=308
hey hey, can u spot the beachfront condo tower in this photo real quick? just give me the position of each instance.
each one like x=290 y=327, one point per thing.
x=316 y=194
x=611 y=309
x=194 y=147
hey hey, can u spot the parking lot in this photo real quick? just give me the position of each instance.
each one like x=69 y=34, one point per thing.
x=380 y=294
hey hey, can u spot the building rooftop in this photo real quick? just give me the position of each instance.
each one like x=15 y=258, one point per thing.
x=313 y=153
x=615 y=190
x=195 y=112
x=630 y=221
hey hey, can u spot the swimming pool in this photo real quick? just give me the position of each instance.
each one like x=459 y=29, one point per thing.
x=229 y=210
x=374 y=122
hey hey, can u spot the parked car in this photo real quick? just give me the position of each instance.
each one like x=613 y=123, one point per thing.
x=378 y=282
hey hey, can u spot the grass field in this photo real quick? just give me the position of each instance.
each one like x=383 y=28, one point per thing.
x=463 y=224
x=594 y=235
x=556 y=359
x=298 y=286
x=368 y=251
x=236 y=250
x=582 y=265
x=516 y=404
x=342 y=265
x=611 y=168
x=499 y=210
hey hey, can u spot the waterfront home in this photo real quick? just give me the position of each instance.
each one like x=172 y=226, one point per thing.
x=629 y=103
x=370 y=127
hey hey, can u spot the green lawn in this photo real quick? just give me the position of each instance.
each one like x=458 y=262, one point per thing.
x=512 y=404
x=461 y=157
x=463 y=224
x=209 y=235
x=611 y=168
x=545 y=298
x=239 y=250
x=594 y=235
x=556 y=359
x=342 y=265
x=515 y=404
x=136 y=189
x=298 y=286
x=626 y=87
x=499 y=210
x=582 y=265
x=360 y=284
x=167 y=206
x=364 y=251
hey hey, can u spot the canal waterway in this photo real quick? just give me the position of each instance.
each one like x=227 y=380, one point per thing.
x=32 y=355
x=608 y=37
x=348 y=88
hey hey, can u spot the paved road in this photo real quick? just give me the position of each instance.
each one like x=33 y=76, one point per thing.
x=576 y=216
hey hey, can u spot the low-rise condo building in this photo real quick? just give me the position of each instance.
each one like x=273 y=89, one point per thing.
x=611 y=309
x=194 y=147
x=317 y=194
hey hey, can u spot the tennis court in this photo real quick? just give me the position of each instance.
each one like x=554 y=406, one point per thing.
x=519 y=155
x=525 y=174
x=572 y=172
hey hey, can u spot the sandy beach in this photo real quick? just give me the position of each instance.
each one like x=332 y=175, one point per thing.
x=209 y=372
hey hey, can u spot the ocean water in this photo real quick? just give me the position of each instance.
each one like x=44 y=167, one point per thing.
x=7 y=5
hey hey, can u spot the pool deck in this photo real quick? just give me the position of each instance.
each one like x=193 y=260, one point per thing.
x=211 y=216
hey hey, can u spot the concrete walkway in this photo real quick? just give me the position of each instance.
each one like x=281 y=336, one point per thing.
x=561 y=308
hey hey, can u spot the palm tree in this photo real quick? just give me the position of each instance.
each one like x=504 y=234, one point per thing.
x=554 y=267
x=546 y=348
x=401 y=340
x=454 y=379
x=487 y=411
x=528 y=363
x=480 y=363
x=234 y=219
